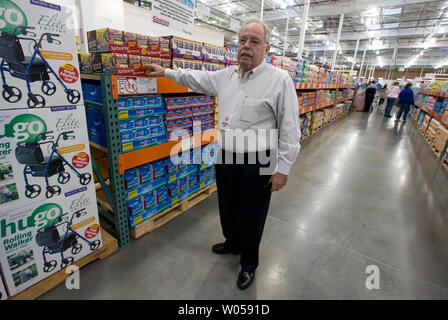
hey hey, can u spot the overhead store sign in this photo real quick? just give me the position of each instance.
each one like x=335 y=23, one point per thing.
x=174 y=14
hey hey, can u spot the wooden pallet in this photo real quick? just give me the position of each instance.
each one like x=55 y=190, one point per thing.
x=163 y=217
x=445 y=163
x=110 y=246
x=436 y=151
x=428 y=140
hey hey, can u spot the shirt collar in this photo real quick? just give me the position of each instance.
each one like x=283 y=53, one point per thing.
x=254 y=71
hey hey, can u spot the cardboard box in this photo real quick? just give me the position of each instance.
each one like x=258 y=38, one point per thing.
x=111 y=61
x=213 y=53
x=183 y=48
x=44 y=24
x=135 y=61
x=3 y=294
x=141 y=39
x=100 y=40
x=26 y=150
x=97 y=65
x=129 y=37
x=44 y=237
x=85 y=62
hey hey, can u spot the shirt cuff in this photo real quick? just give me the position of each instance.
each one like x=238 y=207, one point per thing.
x=283 y=167
x=169 y=73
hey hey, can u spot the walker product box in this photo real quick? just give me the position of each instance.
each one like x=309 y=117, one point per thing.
x=46 y=236
x=3 y=295
x=37 y=47
x=46 y=152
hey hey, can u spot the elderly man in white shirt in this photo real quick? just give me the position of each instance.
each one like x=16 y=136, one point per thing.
x=258 y=109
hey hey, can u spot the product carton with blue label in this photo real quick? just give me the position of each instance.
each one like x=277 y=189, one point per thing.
x=38 y=57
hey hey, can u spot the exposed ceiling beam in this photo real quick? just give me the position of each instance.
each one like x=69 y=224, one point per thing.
x=438 y=44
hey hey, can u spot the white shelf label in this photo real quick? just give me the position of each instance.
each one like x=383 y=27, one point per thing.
x=131 y=85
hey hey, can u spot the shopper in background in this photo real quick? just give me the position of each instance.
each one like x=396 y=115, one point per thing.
x=383 y=91
x=392 y=96
x=252 y=95
x=406 y=99
x=370 y=95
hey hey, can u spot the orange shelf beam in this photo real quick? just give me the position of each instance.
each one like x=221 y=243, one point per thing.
x=136 y=158
x=165 y=85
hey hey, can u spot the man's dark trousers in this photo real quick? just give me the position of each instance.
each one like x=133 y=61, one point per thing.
x=244 y=196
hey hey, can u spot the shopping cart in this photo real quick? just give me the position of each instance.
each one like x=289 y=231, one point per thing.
x=30 y=69
x=31 y=155
x=53 y=243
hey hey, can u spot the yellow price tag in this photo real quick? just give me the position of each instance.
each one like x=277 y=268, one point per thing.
x=138 y=220
x=202 y=185
x=123 y=114
x=133 y=194
x=203 y=166
x=127 y=146
x=172 y=178
x=175 y=200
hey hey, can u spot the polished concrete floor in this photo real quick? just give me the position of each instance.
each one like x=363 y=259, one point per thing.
x=364 y=191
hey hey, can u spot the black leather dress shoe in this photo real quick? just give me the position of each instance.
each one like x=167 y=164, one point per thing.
x=221 y=248
x=245 y=279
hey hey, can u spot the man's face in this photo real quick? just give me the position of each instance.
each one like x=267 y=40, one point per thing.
x=252 y=47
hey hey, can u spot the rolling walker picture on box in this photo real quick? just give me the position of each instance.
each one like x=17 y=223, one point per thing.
x=42 y=238
x=38 y=59
x=43 y=154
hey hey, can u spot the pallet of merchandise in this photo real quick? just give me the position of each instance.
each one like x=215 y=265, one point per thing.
x=163 y=217
x=110 y=246
x=445 y=162
x=436 y=151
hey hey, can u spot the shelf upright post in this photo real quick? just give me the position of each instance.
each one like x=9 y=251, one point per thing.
x=113 y=148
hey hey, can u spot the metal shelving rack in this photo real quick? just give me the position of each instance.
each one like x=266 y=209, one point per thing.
x=112 y=195
x=114 y=190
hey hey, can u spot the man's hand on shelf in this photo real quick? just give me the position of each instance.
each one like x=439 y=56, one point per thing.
x=156 y=70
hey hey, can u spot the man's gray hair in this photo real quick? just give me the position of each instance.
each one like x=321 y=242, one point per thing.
x=267 y=30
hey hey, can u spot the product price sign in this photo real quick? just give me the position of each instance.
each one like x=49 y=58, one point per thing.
x=177 y=15
x=129 y=85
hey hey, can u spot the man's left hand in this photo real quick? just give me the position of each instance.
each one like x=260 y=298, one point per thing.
x=278 y=181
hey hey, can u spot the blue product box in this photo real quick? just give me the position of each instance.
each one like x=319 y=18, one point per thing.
x=140 y=133
x=149 y=200
x=170 y=167
x=92 y=92
x=137 y=112
x=155 y=100
x=137 y=102
x=184 y=184
x=162 y=195
x=142 y=143
x=158 y=130
x=210 y=172
x=123 y=103
x=185 y=172
x=135 y=206
x=140 y=123
x=149 y=186
x=126 y=125
x=202 y=175
x=144 y=173
x=156 y=120
x=158 y=169
x=130 y=178
x=192 y=180
x=154 y=111
x=127 y=135
x=173 y=189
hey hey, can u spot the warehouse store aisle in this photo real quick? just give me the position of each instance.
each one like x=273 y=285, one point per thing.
x=364 y=191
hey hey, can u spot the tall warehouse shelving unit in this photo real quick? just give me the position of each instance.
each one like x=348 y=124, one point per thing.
x=110 y=168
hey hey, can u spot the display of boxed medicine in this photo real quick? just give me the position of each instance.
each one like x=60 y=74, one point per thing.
x=85 y=62
x=111 y=61
x=183 y=48
x=100 y=40
x=47 y=151
x=35 y=54
x=46 y=236
x=211 y=53
x=3 y=294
